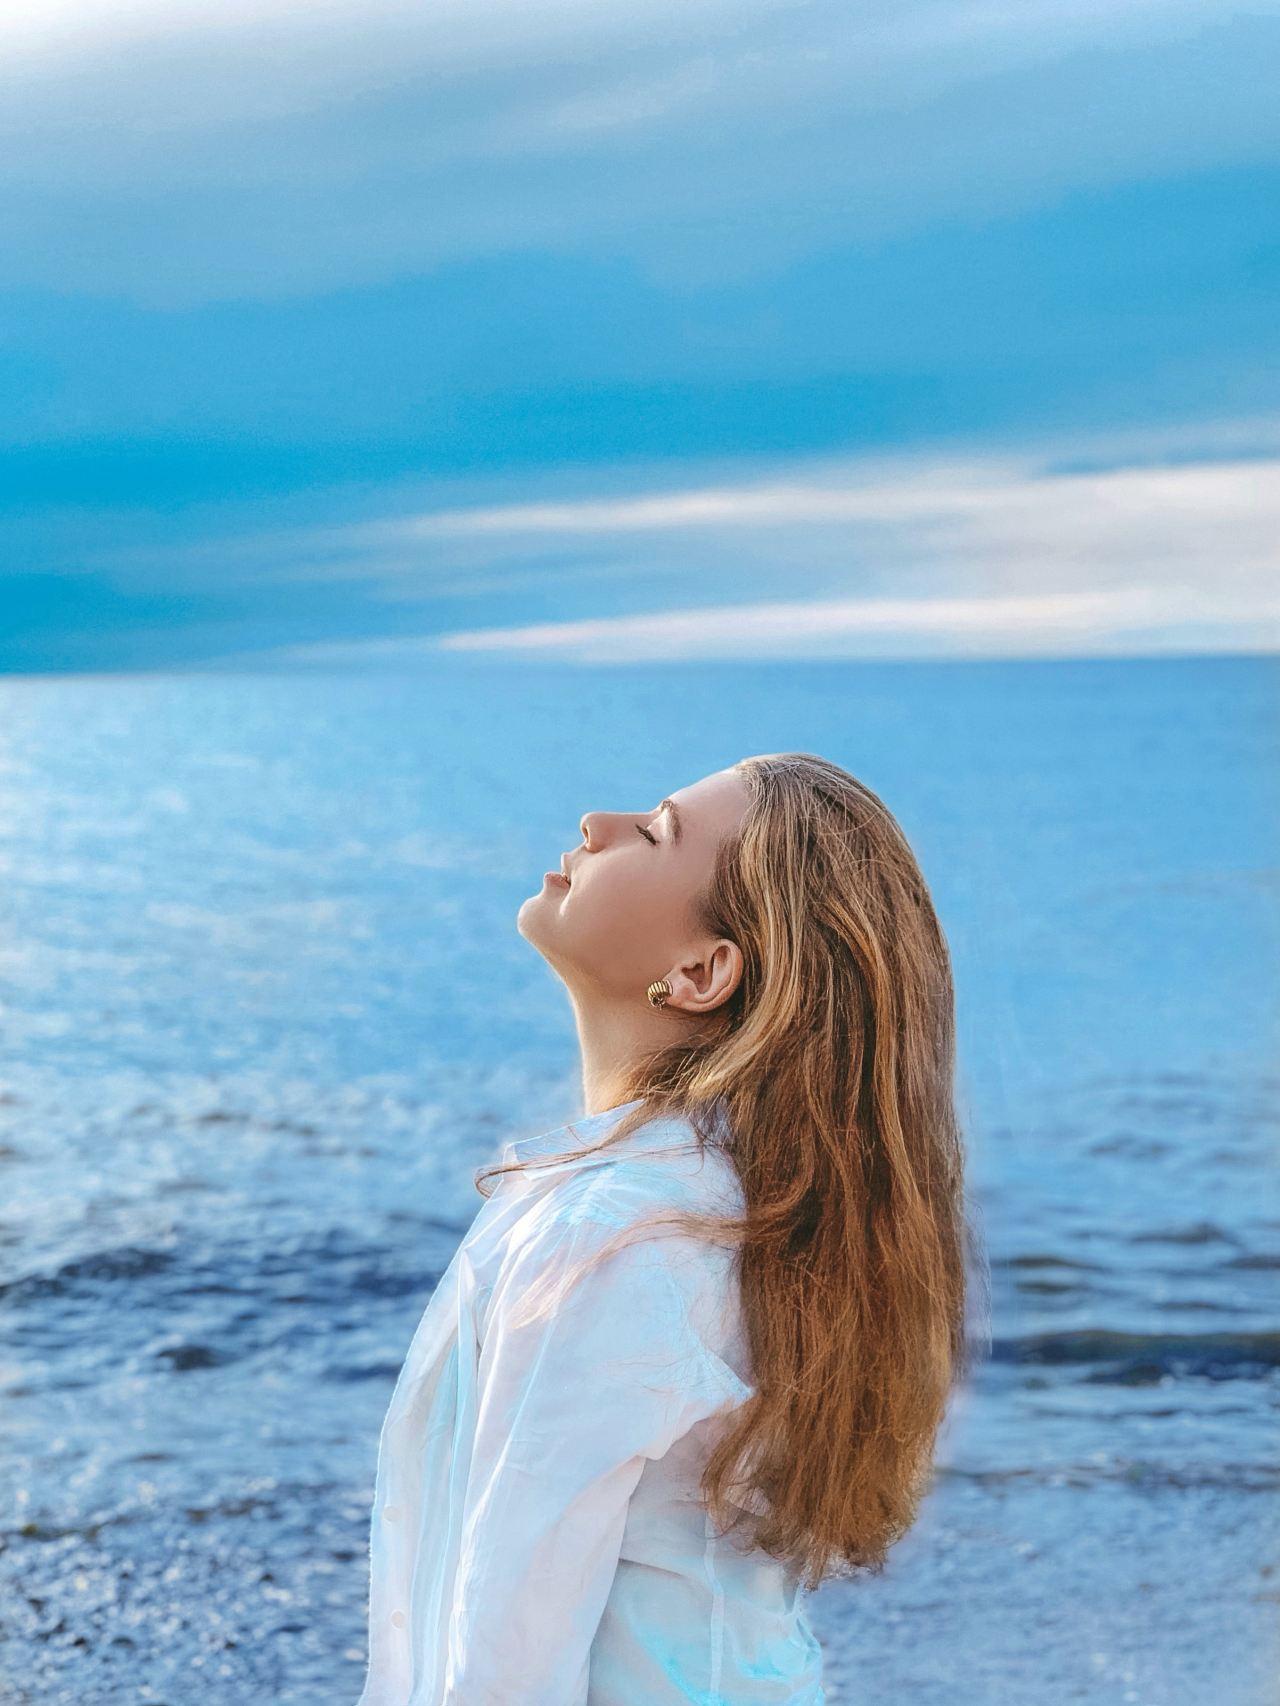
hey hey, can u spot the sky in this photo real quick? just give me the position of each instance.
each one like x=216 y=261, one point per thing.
x=610 y=331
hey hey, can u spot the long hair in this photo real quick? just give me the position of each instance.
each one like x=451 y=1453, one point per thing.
x=829 y=1078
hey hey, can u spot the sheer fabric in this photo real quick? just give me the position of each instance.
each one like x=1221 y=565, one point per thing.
x=538 y=1535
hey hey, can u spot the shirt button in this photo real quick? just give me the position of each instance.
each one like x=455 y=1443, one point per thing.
x=391 y=1512
x=397 y=1618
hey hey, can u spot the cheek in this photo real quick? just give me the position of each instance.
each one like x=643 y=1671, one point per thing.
x=628 y=911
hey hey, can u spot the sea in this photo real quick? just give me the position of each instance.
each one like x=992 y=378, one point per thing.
x=265 y=1010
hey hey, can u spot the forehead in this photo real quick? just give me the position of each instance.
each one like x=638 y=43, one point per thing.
x=712 y=805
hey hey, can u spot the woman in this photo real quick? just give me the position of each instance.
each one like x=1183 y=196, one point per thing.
x=693 y=1353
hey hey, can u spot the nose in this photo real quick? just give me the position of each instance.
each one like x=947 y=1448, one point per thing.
x=594 y=827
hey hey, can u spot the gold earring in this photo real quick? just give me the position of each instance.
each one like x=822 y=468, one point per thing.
x=658 y=992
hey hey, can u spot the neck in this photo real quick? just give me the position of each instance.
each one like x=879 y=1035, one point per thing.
x=612 y=1041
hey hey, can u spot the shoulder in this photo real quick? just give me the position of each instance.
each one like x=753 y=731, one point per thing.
x=634 y=1183
x=562 y=1213
x=614 y=1232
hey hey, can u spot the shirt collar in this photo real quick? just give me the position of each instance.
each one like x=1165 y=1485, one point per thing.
x=589 y=1129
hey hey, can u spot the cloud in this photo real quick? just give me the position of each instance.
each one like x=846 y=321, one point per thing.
x=180 y=153
x=1127 y=621
x=938 y=491
x=544 y=312
x=908 y=556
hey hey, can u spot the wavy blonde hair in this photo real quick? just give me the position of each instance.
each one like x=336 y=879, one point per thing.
x=828 y=1077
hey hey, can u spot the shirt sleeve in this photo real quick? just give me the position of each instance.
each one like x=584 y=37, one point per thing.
x=580 y=1382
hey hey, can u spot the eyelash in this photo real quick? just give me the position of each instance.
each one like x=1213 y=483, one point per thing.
x=650 y=838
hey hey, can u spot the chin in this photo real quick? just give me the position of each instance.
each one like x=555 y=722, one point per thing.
x=525 y=914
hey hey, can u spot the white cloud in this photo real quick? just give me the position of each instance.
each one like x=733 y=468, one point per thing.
x=254 y=147
x=1128 y=621
x=973 y=555
x=941 y=491
x=1032 y=622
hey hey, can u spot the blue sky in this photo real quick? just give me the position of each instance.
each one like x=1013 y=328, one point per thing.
x=602 y=332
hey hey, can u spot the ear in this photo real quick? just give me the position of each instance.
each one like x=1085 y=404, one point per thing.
x=700 y=985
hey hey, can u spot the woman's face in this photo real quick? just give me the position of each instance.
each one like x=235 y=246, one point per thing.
x=625 y=919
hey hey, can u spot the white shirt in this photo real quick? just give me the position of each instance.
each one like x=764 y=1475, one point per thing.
x=538 y=1534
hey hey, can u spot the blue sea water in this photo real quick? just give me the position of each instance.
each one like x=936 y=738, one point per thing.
x=265 y=1010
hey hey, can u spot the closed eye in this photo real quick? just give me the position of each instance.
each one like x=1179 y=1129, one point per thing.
x=650 y=838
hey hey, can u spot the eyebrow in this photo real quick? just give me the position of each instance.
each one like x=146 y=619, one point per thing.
x=673 y=808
